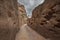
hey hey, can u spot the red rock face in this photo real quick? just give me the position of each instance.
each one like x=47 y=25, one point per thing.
x=8 y=19
x=46 y=19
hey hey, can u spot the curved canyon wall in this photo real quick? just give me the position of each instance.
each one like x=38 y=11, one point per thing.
x=46 y=19
x=8 y=19
x=22 y=14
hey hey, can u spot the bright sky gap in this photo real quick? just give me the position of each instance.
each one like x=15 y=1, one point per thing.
x=30 y=5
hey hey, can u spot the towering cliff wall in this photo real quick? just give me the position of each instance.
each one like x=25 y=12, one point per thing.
x=22 y=14
x=46 y=19
x=8 y=19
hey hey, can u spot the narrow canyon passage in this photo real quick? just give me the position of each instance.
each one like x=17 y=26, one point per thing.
x=26 y=33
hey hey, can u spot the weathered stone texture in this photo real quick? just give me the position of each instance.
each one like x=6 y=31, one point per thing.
x=22 y=14
x=8 y=19
x=46 y=19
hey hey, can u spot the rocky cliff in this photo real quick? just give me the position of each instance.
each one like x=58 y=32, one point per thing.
x=46 y=19
x=22 y=14
x=8 y=19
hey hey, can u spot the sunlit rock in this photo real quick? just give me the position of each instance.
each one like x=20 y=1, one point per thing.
x=22 y=14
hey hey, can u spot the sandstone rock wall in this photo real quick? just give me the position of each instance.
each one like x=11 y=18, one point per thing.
x=22 y=14
x=8 y=19
x=46 y=19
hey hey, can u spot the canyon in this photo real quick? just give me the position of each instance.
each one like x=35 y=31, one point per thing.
x=43 y=25
x=46 y=19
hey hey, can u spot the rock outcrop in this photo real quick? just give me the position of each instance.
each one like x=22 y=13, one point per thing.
x=46 y=19
x=8 y=19
x=22 y=14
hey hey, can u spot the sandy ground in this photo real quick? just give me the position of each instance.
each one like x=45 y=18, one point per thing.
x=26 y=33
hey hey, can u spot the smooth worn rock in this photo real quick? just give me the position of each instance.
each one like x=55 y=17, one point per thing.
x=8 y=19
x=46 y=19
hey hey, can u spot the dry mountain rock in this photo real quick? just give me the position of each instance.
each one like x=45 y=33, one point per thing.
x=8 y=19
x=46 y=19
x=22 y=14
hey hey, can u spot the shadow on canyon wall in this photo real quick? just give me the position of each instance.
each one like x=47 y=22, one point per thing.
x=46 y=19
x=8 y=19
x=12 y=16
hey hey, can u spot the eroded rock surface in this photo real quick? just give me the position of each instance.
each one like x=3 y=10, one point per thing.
x=46 y=19
x=22 y=14
x=8 y=19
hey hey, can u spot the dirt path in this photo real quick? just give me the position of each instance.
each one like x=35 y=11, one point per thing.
x=26 y=33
